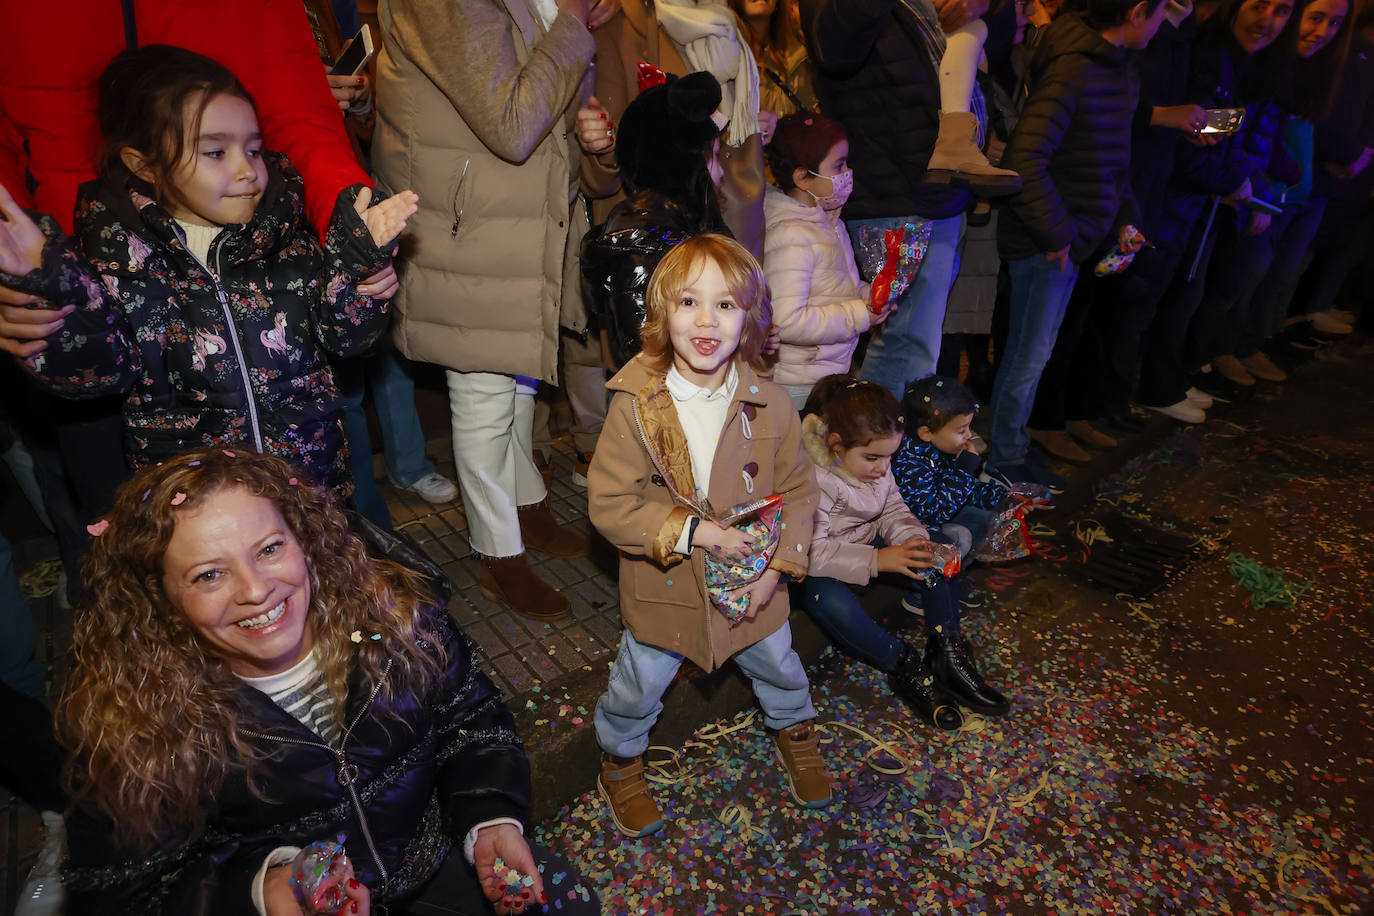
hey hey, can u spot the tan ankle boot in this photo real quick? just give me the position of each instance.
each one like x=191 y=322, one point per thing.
x=510 y=581
x=540 y=530
x=801 y=759
x=957 y=159
x=1088 y=434
x=1061 y=445
x=621 y=783
x=1233 y=370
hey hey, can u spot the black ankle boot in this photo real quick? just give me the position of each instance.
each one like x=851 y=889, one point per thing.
x=949 y=660
x=913 y=682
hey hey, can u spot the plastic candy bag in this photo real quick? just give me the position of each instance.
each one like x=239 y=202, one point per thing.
x=947 y=563
x=726 y=578
x=1009 y=535
x=891 y=258
x=318 y=875
x=1128 y=245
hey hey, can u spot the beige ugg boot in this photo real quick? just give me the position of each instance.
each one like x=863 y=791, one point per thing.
x=957 y=159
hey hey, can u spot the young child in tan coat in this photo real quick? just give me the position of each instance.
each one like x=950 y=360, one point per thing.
x=693 y=431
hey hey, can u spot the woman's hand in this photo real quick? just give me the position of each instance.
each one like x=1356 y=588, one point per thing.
x=726 y=543
x=386 y=218
x=22 y=329
x=360 y=899
x=381 y=285
x=907 y=559
x=507 y=843
x=595 y=130
x=760 y=592
x=21 y=241
x=350 y=91
x=768 y=125
x=772 y=342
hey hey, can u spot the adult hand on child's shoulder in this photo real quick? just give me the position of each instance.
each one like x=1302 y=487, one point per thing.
x=386 y=218
x=21 y=241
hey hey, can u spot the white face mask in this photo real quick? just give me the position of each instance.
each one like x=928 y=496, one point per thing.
x=841 y=186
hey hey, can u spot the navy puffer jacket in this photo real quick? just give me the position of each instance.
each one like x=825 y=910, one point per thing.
x=874 y=75
x=406 y=785
x=1072 y=146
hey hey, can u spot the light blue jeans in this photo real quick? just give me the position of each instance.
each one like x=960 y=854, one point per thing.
x=403 y=441
x=909 y=345
x=967 y=528
x=1039 y=297
x=641 y=674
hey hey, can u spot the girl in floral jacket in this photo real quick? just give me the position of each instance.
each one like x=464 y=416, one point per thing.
x=194 y=282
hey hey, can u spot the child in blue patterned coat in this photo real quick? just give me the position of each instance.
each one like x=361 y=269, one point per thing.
x=939 y=491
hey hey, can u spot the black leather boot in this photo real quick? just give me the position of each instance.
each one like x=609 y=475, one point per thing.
x=913 y=682
x=949 y=659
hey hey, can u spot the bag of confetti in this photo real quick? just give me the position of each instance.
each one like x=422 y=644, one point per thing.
x=1122 y=253
x=891 y=258
x=318 y=875
x=725 y=578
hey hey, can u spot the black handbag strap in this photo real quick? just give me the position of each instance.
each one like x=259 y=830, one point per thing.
x=130 y=24
x=791 y=96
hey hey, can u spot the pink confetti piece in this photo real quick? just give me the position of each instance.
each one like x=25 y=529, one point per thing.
x=178 y=499
x=229 y=454
x=96 y=529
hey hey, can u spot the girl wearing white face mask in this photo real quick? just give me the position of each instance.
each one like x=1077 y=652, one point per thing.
x=820 y=306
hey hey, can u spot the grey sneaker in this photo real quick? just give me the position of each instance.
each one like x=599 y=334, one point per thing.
x=432 y=488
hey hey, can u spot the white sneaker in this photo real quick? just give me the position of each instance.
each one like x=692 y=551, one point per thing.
x=1184 y=410
x=432 y=488
x=1199 y=399
x=1327 y=323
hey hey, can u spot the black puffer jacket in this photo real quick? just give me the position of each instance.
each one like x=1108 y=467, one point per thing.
x=619 y=257
x=1072 y=146
x=875 y=76
x=411 y=780
x=233 y=351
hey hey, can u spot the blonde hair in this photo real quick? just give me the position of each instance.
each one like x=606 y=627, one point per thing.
x=679 y=268
x=149 y=715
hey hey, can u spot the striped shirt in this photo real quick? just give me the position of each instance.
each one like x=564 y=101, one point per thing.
x=301 y=691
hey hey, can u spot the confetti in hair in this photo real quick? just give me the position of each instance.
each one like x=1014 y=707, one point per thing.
x=179 y=498
x=96 y=529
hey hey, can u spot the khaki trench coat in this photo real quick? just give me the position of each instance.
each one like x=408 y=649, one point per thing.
x=642 y=457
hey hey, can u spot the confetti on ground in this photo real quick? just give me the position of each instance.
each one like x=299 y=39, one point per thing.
x=1203 y=752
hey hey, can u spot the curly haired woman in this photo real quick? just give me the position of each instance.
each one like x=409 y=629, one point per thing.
x=248 y=681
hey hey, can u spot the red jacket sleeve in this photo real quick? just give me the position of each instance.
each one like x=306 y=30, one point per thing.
x=299 y=116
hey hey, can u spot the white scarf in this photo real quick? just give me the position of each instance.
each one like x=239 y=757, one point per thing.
x=709 y=37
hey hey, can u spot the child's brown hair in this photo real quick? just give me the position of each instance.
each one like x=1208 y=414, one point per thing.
x=857 y=411
x=680 y=268
x=150 y=100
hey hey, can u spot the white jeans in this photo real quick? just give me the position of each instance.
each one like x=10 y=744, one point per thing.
x=492 y=420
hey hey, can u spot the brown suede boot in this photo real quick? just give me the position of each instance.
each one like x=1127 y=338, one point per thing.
x=1088 y=434
x=621 y=783
x=540 y=530
x=957 y=159
x=510 y=581
x=801 y=758
x=1060 y=444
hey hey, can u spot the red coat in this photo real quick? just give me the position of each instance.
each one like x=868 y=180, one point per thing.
x=58 y=48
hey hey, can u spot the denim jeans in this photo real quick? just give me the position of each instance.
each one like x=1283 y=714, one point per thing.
x=967 y=528
x=18 y=668
x=641 y=674
x=909 y=345
x=1040 y=294
x=403 y=441
x=1264 y=314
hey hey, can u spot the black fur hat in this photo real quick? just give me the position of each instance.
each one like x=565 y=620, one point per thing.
x=665 y=132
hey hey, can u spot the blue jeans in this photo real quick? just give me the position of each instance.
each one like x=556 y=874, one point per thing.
x=1290 y=236
x=909 y=345
x=641 y=674
x=403 y=441
x=18 y=668
x=967 y=528
x=1039 y=297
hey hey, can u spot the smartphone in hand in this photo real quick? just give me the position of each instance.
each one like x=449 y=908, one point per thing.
x=1224 y=120
x=355 y=54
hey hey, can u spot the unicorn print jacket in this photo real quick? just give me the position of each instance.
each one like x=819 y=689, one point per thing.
x=231 y=351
